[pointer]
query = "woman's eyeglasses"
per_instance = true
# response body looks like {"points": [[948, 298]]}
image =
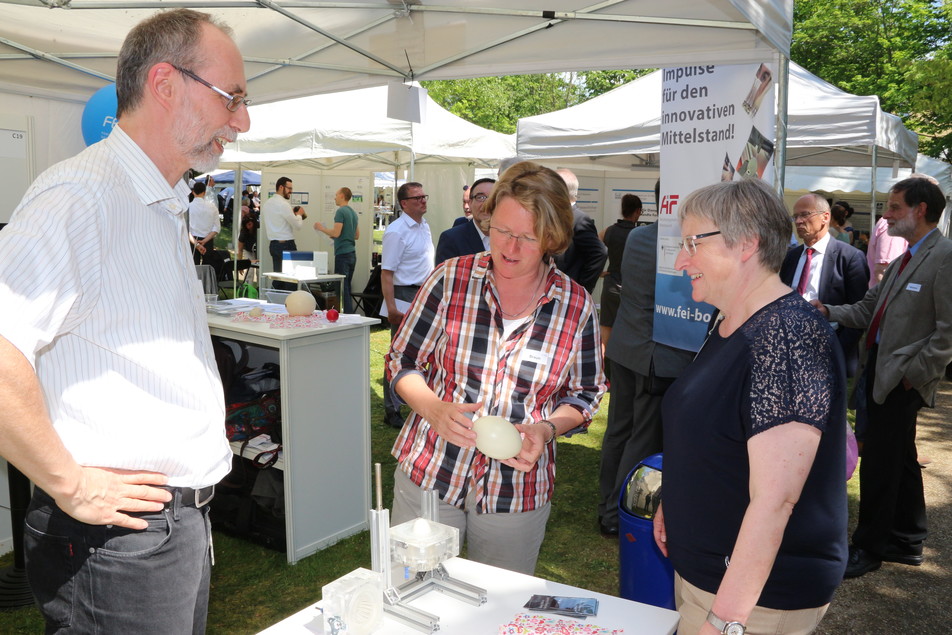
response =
{"points": [[689, 243]]}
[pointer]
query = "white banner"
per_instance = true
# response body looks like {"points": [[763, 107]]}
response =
{"points": [[717, 124]]}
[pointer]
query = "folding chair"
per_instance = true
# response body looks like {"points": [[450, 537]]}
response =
{"points": [[226, 269], [370, 299], [206, 273]]}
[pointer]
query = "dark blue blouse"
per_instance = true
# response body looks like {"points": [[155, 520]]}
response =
{"points": [[782, 365]]}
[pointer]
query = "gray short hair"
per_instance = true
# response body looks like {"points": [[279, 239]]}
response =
{"points": [[168, 36], [820, 204], [744, 209]]}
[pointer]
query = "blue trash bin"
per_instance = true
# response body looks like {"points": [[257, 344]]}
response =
{"points": [[645, 575]]}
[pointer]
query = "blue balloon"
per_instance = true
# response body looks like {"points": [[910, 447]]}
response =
{"points": [[99, 115]]}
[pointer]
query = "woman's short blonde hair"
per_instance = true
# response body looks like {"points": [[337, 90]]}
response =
{"points": [[543, 193], [744, 209]]}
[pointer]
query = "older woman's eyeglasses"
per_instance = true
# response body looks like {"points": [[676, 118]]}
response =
{"points": [[528, 241], [233, 101], [689, 243]]}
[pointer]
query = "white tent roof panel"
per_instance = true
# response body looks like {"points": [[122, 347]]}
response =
{"points": [[300, 47], [322, 128]]}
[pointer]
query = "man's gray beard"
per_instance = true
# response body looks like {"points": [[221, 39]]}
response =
{"points": [[902, 229], [206, 163]]}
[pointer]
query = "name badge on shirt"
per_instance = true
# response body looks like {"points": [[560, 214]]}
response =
{"points": [[913, 286], [536, 357]]}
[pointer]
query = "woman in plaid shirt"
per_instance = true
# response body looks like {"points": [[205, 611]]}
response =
{"points": [[500, 333]]}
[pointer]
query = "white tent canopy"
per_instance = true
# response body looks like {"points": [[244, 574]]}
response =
{"points": [[68, 48], [859, 179], [351, 129], [622, 128]]}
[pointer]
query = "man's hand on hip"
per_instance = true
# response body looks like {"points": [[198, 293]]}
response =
{"points": [[103, 494]]}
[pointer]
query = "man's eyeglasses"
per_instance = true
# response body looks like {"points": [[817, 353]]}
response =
{"points": [[689, 243], [528, 241], [480, 198], [234, 101], [797, 217], [422, 197]]}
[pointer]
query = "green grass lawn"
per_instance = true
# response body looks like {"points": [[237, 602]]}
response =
{"points": [[253, 587]]}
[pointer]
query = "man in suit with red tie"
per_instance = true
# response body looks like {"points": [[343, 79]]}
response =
{"points": [[908, 346], [826, 269]]}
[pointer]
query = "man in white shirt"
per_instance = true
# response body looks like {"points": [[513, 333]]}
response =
{"points": [[406, 261], [826, 269], [112, 403], [203, 223], [281, 221]]}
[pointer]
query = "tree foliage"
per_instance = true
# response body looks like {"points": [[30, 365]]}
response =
{"points": [[896, 49], [497, 103]]}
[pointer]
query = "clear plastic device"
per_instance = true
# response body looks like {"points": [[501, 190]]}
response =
{"points": [[353, 604], [420, 547]]}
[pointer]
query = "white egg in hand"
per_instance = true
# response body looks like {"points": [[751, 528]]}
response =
{"points": [[497, 438], [300, 303]]}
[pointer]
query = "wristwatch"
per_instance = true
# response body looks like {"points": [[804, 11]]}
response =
{"points": [[727, 628]]}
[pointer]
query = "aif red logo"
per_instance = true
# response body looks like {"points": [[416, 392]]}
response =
{"points": [[668, 203]]}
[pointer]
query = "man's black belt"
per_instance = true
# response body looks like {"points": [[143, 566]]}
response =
{"points": [[191, 497]]}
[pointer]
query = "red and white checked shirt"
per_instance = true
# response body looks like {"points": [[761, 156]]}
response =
{"points": [[453, 336]]}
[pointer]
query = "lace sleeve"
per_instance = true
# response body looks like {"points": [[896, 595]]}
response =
{"points": [[791, 376]]}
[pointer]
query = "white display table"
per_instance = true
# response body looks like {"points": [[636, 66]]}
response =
{"points": [[508, 592], [325, 424]]}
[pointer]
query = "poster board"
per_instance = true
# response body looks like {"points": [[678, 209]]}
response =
{"points": [[16, 161]]}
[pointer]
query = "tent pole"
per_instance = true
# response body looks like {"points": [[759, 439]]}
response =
{"points": [[236, 226], [872, 191], [780, 157]]}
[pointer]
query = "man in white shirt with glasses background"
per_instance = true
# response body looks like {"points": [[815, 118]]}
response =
{"points": [[406, 261]]}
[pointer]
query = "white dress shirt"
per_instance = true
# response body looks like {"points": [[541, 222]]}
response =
{"points": [[99, 293], [203, 217], [484, 236], [408, 251], [279, 218], [816, 267]]}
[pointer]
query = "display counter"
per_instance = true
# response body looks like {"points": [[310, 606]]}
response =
{"points": [[508, 592], [325, 424]]}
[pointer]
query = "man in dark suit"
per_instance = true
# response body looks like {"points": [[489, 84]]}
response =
{"points": [[585, 258], [826, 269], [641, 371], [908, 346], [468, 237]]}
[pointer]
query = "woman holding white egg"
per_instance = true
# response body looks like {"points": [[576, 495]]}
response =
{"points": [[501, 333]]}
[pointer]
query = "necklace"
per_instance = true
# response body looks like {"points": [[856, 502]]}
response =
{"points": [[533, 296]]}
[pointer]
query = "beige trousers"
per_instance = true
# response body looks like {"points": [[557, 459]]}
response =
{"points": [[693, 604]]}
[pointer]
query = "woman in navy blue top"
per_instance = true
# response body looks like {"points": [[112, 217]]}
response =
{"points": [[754, 501]]}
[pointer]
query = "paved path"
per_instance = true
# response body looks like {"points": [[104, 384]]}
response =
{"points": [[898, 598]]}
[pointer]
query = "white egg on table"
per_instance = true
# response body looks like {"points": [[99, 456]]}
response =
{"points": [[496, 437], [300, 303]]}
